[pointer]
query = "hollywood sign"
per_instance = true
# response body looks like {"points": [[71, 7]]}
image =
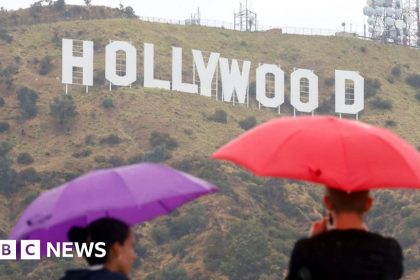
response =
{"points": [[234, 81]]}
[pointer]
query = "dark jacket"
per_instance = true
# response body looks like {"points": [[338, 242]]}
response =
{"points": [[346, 255], [86, 274]]}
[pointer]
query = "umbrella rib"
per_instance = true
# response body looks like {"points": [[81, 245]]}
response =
{"points": [[344, 151], [164, 206]]}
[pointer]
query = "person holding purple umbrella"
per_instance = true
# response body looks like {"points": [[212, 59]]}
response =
{"points": [[119, 246]]}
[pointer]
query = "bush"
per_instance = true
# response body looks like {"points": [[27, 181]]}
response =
{"points": [[158, 154], [417, 96], [162, 139], [329, 82], [170, 272], [25, 158], [219, 116], [29, 175], [4, 126], [45, 65], [396, 71], [2, 102], [413, 80], [111, 139], [390, 123], [160, 234], [27, 99], [90, 140], [381, 104], [194, 221], [82, 154], [63, 109], [59, 5], [108, 103], [371, 87], [413, 222], [248, 123], [180, 246], [214, 251], [363, 49], [116, 161], [100, 159], [246, 252], [407, 238], [4, 35], [135, 159]]}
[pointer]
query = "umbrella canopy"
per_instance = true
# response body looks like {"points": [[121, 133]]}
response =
{"points": [[345, 154], [132, 194]]}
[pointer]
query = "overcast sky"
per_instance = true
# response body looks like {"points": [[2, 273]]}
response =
{"points": [[326, 14]]}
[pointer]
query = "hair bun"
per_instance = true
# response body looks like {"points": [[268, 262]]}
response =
{"points": [[78, 234]]}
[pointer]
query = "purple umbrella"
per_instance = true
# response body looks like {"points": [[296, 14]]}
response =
{"points": [[133, 194]]}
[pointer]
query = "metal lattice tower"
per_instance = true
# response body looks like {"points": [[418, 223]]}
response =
{"points": [[245, 19], [394, 21]]}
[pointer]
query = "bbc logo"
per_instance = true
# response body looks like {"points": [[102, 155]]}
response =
{"points": [[29, 250]]}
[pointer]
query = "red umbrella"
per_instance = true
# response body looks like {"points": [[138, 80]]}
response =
{"points": [[345, 154]]}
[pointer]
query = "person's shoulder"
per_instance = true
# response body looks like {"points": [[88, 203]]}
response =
{"points": [[86, 274], [105, 274]]}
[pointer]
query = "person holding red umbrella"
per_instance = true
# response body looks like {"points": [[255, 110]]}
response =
{"points": [[340, 247], [351, 158]]}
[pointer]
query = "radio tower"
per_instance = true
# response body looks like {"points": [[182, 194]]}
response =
{"points": [[394, 21], [245, 19]]}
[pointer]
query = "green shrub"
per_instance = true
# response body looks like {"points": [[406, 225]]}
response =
{"points": [[396, 71], [169, 272], [179, 247], [371, 87], [5, 36], [25, 158], [27, 99], [90, 140], [248, 123], [82, 154], [162, 139], [59, 5], [4, 126], [407, 238], [45, 65], [363, 49], [29, 175], [194, 221], [390, 123], [161, 235], [63, 109], [111, 139], [116, 161], [329, 82], [214, 251], [158, 154], [100, 159], [135, 159], [108, 103], [246, 253], [413, 222], [413, 80], [417, 96], [381, 104], [219, 116]]}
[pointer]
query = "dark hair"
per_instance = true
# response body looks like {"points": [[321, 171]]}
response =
{"points": [[348, 202], [107, 230]]}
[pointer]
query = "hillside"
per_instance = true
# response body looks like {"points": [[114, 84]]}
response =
{"points": [[201, 240]]}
